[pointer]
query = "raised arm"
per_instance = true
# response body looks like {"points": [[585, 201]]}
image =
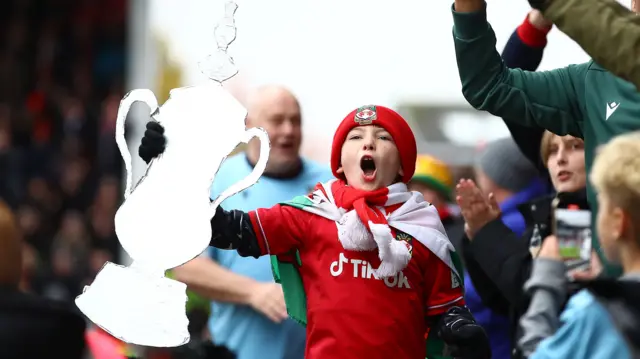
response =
{"points": [[275, 230], [524, 51], [606, 30], [549, 100], [234, 230], [525, 47]]}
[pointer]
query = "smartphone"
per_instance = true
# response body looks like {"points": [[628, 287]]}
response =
{"points": [[572, 227]]}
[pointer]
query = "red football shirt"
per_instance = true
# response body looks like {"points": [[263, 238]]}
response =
{"points": [[352, 314]]}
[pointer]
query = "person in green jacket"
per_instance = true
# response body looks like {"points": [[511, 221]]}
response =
{"points": [[583, 100], [606, 30]]}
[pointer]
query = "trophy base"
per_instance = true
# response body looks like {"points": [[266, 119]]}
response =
{"points": [[136, 307]]}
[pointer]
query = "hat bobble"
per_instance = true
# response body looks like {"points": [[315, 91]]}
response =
{"points": [[386, 118]]}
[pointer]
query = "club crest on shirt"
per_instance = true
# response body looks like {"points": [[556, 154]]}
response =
{"points": [[407, 239], [455, 282], [365, 115]]}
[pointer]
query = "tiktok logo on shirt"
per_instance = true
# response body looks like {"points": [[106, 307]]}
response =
{"points": [[362, 269]]}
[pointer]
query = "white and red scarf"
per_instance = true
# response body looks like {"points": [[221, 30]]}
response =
{"points": [[364, 224]]}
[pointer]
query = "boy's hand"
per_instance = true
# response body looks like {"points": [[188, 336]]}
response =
{"points": [[476, 209], [594, 269], [538, 21], [551, 250], [153, 142], [462, 335], [268, 299]]}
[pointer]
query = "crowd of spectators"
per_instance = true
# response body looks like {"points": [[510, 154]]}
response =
{"points": [[61, 81]]}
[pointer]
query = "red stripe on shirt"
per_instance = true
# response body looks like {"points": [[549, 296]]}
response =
{"points": [[257, 229]]}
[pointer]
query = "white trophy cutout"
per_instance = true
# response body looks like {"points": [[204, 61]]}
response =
{"points": [[165, 219]]}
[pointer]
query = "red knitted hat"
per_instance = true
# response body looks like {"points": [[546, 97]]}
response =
{"points": [[386, 118]]}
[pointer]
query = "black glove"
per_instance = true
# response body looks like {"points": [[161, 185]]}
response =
{"points": [[464, 338], [233, 230], [153, 142]]}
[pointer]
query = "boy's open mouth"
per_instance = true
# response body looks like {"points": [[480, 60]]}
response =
{"points": [[368, 166]]}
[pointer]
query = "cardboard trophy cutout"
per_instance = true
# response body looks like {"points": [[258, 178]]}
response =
{"points": [[165, 219]]}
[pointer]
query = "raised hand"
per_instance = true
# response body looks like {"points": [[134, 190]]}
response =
{"points": [[538, 21], [153, 142], [476, 209]]}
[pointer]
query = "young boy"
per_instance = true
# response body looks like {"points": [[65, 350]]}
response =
{"points": [[364, 263]]}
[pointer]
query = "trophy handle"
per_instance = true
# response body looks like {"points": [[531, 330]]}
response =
{"points": [[252, 178], [129, 99]]}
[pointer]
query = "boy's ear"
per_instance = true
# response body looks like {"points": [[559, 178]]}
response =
{"points": [[401, 172], [624, 222], [340, 170]]}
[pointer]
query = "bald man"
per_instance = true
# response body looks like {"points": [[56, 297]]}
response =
{"points": [[248, 310], [31, 327]]}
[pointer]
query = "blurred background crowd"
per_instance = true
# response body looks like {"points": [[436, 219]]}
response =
{"points": [[61, 81]]}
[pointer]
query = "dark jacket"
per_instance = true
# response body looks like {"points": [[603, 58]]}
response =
{"points": [[499, 261], [497, 323], [34, 327]]}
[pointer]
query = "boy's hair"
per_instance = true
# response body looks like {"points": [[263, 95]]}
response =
{"points": [[545, 146], [616, 173]]}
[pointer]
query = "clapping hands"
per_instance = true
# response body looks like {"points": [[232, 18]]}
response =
{"points": [[476, 208]]}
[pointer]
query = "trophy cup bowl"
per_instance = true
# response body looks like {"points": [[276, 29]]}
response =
{"points": [[165, 219]]}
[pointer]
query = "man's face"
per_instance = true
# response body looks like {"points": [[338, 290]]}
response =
{"points": [[566, 164], [280, 116], [634, 6], [370, 159]]}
